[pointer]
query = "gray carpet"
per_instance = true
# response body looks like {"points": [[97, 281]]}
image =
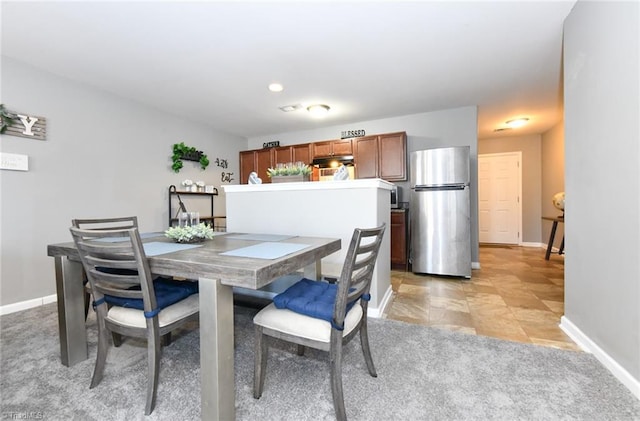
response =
{"points": [[423, 374]]}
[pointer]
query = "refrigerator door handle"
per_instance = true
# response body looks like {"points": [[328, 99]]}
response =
{"points": [[442, 187]]}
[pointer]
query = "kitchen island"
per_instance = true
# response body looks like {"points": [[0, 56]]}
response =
{"points": [[324, 209]]}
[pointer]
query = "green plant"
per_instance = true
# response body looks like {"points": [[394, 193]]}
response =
{"points": [[289, 169], [183, 152], [7, 118], [190, 234]]}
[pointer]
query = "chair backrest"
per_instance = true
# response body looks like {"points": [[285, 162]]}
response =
{"points": [[113, 267], [357, 272], [106, 223]]}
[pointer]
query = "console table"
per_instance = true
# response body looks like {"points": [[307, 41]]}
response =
{"points": [[552, 236]]}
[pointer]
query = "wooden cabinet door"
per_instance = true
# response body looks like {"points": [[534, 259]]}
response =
{"points": [[398, 239], [342, 147], [321, 149], [302, 153], [365, 155], [247, 165], [392, 156], [264, 160], [282, 155]]}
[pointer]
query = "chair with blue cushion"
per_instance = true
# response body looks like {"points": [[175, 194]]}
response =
{"points": [[322, 315], [126, 299]]}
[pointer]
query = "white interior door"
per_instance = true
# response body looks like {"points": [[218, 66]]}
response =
{"points": [[499, 192]]}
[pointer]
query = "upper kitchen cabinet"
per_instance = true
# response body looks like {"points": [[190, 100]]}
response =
{"points": [[382, 156], [257, 160], [332, 148], [282, 155], [301, 153]]}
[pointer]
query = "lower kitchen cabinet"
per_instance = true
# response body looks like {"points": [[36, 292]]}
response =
{"points": [[399, 239]]}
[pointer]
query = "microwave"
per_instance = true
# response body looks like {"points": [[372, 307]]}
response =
{"points": [[395, 197]]}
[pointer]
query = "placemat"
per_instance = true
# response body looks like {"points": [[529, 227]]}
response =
{"points": [[269, 250]]}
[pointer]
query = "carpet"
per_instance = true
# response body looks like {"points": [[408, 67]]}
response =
{"points": [[423, 374]]}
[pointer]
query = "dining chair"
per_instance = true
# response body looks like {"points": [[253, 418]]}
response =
{"points": [[323, 315], [126, 299], [101, 224]]}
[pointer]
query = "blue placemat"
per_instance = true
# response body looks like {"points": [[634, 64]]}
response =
{"points": [[260, 237], [155, 248], [120, 239], [269, 250]]}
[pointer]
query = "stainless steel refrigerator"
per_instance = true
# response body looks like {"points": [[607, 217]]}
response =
{"points": [[440, 212]]}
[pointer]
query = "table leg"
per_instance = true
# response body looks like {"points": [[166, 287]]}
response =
{"points": [[561, 246], [71, 322], [216, 351], [314, 270], [551, 238]]}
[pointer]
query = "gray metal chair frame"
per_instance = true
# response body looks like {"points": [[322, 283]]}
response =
{"points": [[354, 282], [130, 255]]}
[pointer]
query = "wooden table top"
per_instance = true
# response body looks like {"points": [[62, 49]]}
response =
{"points": [[206, 261]]}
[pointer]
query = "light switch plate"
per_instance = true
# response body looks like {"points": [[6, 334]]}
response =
{"points": [[12, 161]]}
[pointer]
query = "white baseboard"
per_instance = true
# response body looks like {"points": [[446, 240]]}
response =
{"points": [[25, 305], [475, 265], [377, 313], [605, 359], [538, 245]]}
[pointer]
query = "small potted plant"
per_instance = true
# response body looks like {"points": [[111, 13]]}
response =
{"points": [[190, 233], [188, 185], [289, 172]]}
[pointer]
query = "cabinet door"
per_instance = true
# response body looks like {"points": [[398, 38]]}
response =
{"points": [[398, 239], [321, 149], [342, 147], [264, 161], [247, 165], [282, 155], [392, 156], [365, 155], [302, 153]]}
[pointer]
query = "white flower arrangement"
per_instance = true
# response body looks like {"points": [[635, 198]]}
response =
{"points": [[200, 183], [187, 183], [289, 168], [190, 234]]}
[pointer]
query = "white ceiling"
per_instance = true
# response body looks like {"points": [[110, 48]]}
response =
{"points": [[213, 61]]}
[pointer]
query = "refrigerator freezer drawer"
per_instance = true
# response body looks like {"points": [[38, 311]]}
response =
{"points": [[441, 232]]}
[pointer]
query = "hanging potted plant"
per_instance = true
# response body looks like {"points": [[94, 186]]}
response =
{"points": [[182, 152], [8, 118]]}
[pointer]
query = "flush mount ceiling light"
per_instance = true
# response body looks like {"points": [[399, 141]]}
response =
{"points": [[276, 87], [518, 122], [318, 110]]}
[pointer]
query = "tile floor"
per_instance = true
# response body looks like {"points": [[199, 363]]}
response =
{"points": [[516, 295]]}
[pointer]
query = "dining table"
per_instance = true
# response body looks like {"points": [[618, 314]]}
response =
{"points": [[228, 260]]}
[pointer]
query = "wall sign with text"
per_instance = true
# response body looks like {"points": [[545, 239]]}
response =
{"points": [[25, 125], [352, 133]]}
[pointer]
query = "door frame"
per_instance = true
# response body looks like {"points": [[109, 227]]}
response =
{"points": [[518, 155]]}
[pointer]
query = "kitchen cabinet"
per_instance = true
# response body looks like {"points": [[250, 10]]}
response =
{"points": [[381, 156], [282, 155], [257, 160], [301, 153], [332, 148], [399, 239]]}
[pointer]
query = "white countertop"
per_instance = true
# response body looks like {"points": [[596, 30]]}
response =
{"points": [[367, 183]]}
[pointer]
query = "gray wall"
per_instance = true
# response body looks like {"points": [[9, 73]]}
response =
{"points": [[104, 156], [530, 146], [602, 134], [454, 127], [552, 178]]}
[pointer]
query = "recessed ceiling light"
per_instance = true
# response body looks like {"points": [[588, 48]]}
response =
{"points": [[518, 122], [276, 87], [288, 108], [318, 110]]}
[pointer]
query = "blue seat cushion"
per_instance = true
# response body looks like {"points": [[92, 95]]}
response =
{"points": [[168, 292], [311, 298]]}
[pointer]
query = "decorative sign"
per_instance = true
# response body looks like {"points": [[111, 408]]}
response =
{"points": [[273, 144], [24, 125], [221, 162], [227, 177], [351, 133]]}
